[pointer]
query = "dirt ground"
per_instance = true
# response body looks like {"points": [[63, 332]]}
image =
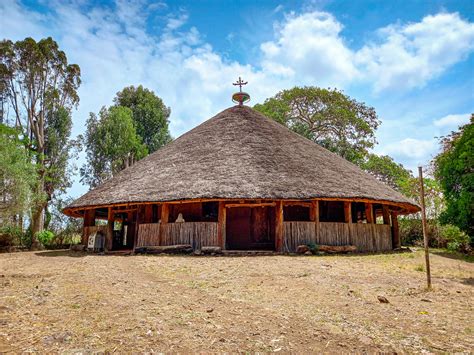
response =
{"points": [[61, 301]]}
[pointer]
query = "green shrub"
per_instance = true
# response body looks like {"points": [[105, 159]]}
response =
{"points": [[45, 237], [11, 235], [455, 239], [312, 247]]}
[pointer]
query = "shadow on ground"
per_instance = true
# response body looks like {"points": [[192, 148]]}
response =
{"points": [[456, 256]]}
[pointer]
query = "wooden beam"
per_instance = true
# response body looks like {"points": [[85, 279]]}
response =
{"points": [[395, 231], [165, 213], [221, 225], [110, 229], [369, 214], [279, 226], [269, 204], [347, 212], [298, 203], [406, 207], [385, 214]]}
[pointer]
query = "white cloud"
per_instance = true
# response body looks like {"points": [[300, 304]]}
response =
{"points": [[408, 56], [452, 121], [309, 49], [114, 50], [411, 148]]}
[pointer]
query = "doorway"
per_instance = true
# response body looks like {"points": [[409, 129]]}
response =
{"points": [[250, 228]]}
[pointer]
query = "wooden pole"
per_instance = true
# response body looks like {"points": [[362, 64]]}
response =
{"points": [[395, 231], [369, 215], [347, 212], [425, 233], [279, 226], [110, 229], [165, 213], [385, 214], [221, 219]]}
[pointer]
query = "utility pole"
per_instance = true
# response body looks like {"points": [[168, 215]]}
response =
{"points": [[425, 233]]}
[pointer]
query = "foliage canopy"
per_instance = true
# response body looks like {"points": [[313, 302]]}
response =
{"points": [[112, 144], [149, 114], [328, 117], [454, 169]]}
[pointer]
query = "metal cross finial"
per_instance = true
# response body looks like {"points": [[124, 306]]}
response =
{"points": [[240, 83]]}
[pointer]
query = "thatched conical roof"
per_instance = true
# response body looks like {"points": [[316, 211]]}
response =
{"points": [[240, 154]]}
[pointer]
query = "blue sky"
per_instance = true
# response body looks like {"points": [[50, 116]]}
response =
{"points": [[411, 60]]}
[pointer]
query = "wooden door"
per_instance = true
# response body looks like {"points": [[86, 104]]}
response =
{"points": [[250, 228]]}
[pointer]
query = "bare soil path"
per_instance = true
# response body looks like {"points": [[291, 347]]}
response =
{"points": [[60, 301]]}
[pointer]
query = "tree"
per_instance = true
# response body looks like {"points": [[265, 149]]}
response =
{"points": [[454, 169], [59, 149], [17, 175], [112, 144], [385, 169], [328, 117], [149, 114], [38, 82]]}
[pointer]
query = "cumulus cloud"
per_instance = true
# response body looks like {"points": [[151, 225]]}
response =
{"points": [[114, 48], [308, 48], [452, 121], [408, 56]]}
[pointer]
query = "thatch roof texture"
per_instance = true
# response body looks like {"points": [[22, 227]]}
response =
{"points": [[240, 154]]}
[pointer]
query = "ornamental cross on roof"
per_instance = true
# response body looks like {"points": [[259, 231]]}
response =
{"points": [[240, 97]]}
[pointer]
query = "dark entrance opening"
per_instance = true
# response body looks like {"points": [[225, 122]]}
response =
{"points": [[250, 228]]}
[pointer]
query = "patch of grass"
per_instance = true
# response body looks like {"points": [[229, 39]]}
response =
{"points": [[420, 268]]}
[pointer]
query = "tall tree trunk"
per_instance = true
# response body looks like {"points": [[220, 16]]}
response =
{"points": [[37, 210]]}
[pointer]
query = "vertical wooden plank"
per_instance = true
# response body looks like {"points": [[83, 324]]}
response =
{"points": [[369, 213], [385, 214], [221, 219], [279, 226], [316, 220], [110, 229], [347, 212], [148, 214], [165, 213], [395, 232]]}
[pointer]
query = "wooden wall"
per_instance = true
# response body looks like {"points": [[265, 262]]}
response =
{"points": [[366, 237], [197, 234]]}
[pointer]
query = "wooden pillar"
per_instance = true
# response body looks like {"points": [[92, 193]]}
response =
{"points": [[148, 214], [369, 214], [347, 212], [89, 221], [279, 226], [385, 214], [314, 211], [110, 229], [395, 232], [221, 227], [165, 213]]}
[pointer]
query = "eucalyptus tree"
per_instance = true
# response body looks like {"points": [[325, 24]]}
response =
{"points": [[112, 144], [38, 84]]}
